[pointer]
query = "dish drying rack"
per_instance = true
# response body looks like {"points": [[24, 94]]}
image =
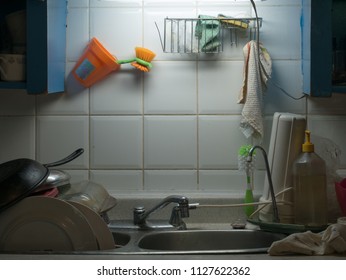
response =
{"points": [[205, 35]]}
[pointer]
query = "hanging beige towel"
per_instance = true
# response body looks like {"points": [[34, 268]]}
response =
{"points": [[257, 71]]}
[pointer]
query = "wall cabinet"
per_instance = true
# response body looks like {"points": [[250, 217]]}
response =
{"points": [[324, 47], [45, 44]]}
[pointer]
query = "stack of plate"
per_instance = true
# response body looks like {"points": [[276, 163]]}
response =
{"points": [[39, 223]]}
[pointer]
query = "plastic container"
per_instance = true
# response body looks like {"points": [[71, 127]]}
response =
{"points": [[95, 64], [286, 140], [310, 187]]}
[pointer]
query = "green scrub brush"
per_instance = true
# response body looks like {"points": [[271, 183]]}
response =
{"points": [[142, 60], [244, 165]]}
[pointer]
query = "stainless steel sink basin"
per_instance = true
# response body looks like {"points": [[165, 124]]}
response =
{"points": [[208, 241]]}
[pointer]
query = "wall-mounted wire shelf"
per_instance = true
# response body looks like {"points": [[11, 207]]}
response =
{"points": [[205, 34]]}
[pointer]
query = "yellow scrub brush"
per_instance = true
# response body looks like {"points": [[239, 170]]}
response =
{"points": [[142, 61], [244, 165]]}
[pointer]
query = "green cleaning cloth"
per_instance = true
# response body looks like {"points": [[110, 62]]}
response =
{"points": [[208, 33]]}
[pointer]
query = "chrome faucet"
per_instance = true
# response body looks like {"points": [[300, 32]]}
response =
{"points": [[180, 211], [276, 218]]}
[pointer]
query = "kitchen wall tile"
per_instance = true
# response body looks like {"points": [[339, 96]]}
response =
{"points": [[78, 3], [115, 3], [17, 136], [275, 100], [228, 1], [75, 100], [63, 104], [176, 127], [282, 36], [155, 13], [282, 2], [116, 142], [77, 33], [232, 182], [115, 181], [170, 180], [171, 89], [118, 29], [219, 141], [170, 142], [219, 84], [16, 103], [180, 3], [58, 136], [328, 135], [120, 93], [328, 106], [221, 180]]}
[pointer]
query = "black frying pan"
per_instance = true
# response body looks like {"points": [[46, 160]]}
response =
{"points": [[20, 177]]}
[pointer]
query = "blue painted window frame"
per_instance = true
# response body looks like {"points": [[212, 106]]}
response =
{"points": [[317, 57]]}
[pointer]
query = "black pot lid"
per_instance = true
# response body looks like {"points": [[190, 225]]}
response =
{"points": [[18, 178]]}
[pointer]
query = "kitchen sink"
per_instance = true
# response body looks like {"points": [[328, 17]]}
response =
{"points": [[194, 242], [231, 241]]}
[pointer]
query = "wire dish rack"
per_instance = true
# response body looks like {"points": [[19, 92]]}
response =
{"points": [[205, 34]]}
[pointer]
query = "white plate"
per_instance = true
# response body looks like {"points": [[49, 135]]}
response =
{"points": [[103, 235], [45, 224]]}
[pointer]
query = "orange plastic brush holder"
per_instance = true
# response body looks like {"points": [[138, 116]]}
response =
{"points": [[95, 64]]}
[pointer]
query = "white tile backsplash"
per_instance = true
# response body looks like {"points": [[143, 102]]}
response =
{"points": [[75, 100], [58, 136], [170, 180], [121, 93], [116, 142], [170, 142], [118, 29], [328, 134], [283, 39], [77, 33], [16, 103], [153, 26], [17, 136], [122, 181], [115, 3], [219, 84], [170, 88], [176, 128], [219, 140]]}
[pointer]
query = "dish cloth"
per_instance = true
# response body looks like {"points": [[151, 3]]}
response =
{"points": [[332, 240], [208, 33], [257, 71]]}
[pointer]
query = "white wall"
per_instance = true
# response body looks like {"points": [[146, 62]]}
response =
{"points": [[175, 129]]}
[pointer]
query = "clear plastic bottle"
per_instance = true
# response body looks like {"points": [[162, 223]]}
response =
{"points": [[310, 187]]}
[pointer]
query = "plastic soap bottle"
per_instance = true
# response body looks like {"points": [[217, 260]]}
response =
{"points": [[310, 187]]}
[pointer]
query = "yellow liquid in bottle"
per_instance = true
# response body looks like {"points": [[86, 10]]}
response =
{"points": [[310, 200]]}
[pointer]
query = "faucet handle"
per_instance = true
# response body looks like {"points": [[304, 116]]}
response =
{"points": [[176, 218], [137, 213], [184, 207]]}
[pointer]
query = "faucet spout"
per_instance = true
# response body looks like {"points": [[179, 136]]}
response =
{"points": [[140, 215], [276, 218]]}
